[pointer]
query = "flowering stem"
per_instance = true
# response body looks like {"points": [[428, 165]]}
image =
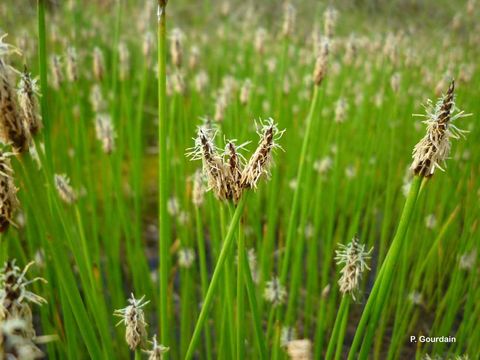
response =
{"points": [[163, 176], [336, 336], [240, 296], [379, 293], [227, 244], [138, 354]]}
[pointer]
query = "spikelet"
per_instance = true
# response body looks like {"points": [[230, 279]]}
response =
{"points": [[213, 167], [56, 71], [27, 96], [72, 65], [354, 258], [245, 91], [134, 320], [96, 98], [261, 161], [432, 151], [275, 292], [201, 81], [13, 343], [259, 41], [14, 296], [157, 351], [321, 63], [64, 189], [124, 60], [12, 129], [234, 172], [105, 132], [98, 64], [186, 257], [198, 190], [8, 193], [340, 110], [289, 15], [300, 349], [147, 47], [176, 50], [330, 20], [194, 58]]}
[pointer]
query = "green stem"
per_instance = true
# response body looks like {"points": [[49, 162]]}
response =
{"points": [[240, 296], [379, 291], [164, 238], [227, 244], [334, 338]]}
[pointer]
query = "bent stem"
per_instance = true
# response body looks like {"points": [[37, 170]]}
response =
{"points": [[378, 296], [227, 245]]}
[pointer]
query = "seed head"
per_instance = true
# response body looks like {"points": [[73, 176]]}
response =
{"points": [[194, 57], [432, 151], [330, 20], [14, 296], [105, 132], [234, 171], [157, 351], [198, 189], [321, 63], [64, 189], [259, 42], [245, 92], [340, 110], [98, 64], [186, 257], [96, 99], [354, 257], [72, 66], [275, 292], [213, 167], [289, 15], [27, 96], [176, 50], [261, 161], [8, 192], [14, 343], [134, 320], [124, 60], [12, 129], [56, 71]]}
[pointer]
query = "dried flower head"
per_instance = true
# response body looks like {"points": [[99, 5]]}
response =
{"points": [[12, 129], [234, 170], [275, 292], [354, 257], [432, 151], [8, 192], [64, 189], [245, 92], [300, 349], [134, 320], [157, 351], [105, 132], [27, 96], [261, 161]]}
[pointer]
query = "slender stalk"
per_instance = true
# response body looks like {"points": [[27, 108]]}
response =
{"points": [[336, 332], [227, 244], [164, 238], [240, 296], [379, 291]]}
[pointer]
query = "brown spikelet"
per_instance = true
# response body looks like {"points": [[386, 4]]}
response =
{"points": [[234, 173], [12, 130], [8, 193], [321, 64], [259, 163], [434, 148], [27, 96]]}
